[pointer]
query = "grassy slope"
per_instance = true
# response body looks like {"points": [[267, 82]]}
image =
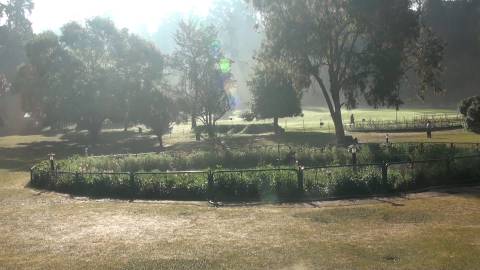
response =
{"points": [[50, 231]]}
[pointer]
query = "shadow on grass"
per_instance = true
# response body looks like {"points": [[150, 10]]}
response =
{"points": [[24, 155], [307, 138]]}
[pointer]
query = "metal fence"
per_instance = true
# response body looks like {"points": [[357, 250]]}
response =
{"points": [[439, 122], [282, 149], [266, 184]]}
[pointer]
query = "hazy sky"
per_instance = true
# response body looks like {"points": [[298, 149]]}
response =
{"points": [[137, 15]]}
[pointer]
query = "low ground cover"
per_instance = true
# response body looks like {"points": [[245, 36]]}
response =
{"points": [[260, 156], [325, 172]]}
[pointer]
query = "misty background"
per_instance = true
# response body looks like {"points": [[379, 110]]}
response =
{"points": [[456, 22]]}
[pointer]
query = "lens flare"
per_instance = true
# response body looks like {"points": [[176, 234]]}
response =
{"points": [[225, 65]]}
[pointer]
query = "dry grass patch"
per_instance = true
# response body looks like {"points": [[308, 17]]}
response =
{"points": [[51, 231]]}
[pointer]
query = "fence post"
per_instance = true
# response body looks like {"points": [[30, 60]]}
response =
{"points": [[278, 151], [300, 177], [210, 185], [384, 172], [132, 183], [76, 182], [448, 165], [51, 158]]}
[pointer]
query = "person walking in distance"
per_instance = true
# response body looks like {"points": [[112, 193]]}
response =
{"points": [[429, 129]]}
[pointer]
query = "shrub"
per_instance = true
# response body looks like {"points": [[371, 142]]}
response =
{"points": [[95, 176], [256, 185], [470, 108], [179, 186]]}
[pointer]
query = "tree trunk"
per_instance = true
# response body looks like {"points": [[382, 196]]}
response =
{"points": [[334, 106], [94, 130], [160, 141], [194, 128], [194, 121], [339, 130], [275, 125], [125, 121], [337, 116], [210, 126]]}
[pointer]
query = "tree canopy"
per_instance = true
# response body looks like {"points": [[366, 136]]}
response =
{"points": [[470, 108], [350, 48], [15, 32], [273, 93], [89, 74], [205, 72]]}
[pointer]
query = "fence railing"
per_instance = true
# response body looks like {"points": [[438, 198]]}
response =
{"points": [[282, 148], [289, 183], [438, 123]]}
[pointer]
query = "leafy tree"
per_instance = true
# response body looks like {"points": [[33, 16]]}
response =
{"points": [[77, 74], [4, 85], [96, 81], [148, 100], [273, 94], [470, 108], [15, 32], [457, 23], [205, 73], [43, 82], [157, 111], [95, 72], [141, 67], [236, 23], [193, 44], [350, 48], [214, 101]]}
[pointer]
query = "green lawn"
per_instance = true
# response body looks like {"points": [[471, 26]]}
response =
{"points": [[42, 230], [313, 116]]}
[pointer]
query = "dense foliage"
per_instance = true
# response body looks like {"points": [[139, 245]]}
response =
{"points": [[351, 48], [15, 32], [275, 177], [273, 93], [273, 155], [265, 183], [92, 73], [470, 108], [205, 73], [457, 23]]}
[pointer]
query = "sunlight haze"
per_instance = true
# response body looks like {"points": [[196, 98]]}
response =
{"points": [[138, 16]]}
